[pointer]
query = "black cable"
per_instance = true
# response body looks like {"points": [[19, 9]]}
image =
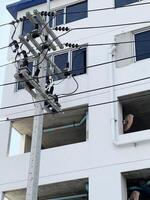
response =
{"points": [[90, 66], [53, 17], [91, 10], [109, 26], [76, 87], [9, 23], [15, 28], [72, 109], [77, 84], [4, 47], [98, 44], [37, 65], [87, 91]]}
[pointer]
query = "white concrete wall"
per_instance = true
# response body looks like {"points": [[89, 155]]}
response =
{"points": [[105, 155]]}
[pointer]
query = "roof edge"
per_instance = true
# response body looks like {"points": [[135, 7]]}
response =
{"points": [[21, 5]]}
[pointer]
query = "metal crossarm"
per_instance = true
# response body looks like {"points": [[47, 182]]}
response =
{"points": [[23, 82], [48, 98], [48, 29], [26, 43]]}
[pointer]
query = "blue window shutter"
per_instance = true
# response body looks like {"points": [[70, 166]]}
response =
{"points": [[51, 20], [61, 60], [60, 17], [142, 47], [120, 3], [27, 27], [79, 62], [80, 8]]}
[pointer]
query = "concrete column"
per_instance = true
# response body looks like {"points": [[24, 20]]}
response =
{"points": [[5, 128], [105, 183], [1, 195]]}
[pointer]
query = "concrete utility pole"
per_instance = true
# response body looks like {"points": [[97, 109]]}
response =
{"points": [[37, 90], [34, 165]]}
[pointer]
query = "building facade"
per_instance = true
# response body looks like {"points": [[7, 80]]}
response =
{"points": [[99, 146]]}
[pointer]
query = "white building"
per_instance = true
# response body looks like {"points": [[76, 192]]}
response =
{"points": [[96, 159]]}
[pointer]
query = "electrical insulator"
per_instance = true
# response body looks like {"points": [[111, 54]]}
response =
{"points": [[61, 28], [37, 72], [24, 53], [72, 45], [25, 63], [14, 45], [45, 13], [42, 13], [21, 19]]}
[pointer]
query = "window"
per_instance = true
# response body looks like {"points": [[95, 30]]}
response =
{"points": [[30, 68], [120, 3], [27, 27], [76, 60], [80, 12], [133, 51], [79, 62], [142, 47], [61, 60], [15, 143], [138, 184], [60, 17], [135, 112], [69, 14]]}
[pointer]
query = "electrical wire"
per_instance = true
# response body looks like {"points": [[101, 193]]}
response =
{"points": [[4, 47], [74, 108], [91, 10], [109, 25], [87, 91], [15, 28], [58, 82], [75, 70], [94, 45], [103, 63], [9, 23], [77, 84], [53, 17], [98, 44], [137, 80]]}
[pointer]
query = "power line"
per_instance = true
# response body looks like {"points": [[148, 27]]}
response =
{"points": [[96, 44], [72, 109], [90, 10], [9, 23], [87, 91], [99, 44], [110, 25], [90, 66], [4, 47]]}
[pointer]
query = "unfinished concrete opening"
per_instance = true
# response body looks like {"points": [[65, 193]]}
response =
{"points": [[135, 112], [68, 190], [138, 184], [60, 129], [16, 143]]}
